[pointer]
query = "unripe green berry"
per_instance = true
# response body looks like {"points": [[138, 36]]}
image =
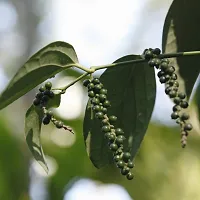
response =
{"points": [[160, 73], [184, 104], [164, 66], [86, 82], [42, 89], [105, 128], [176, 108], [130, 164], [119, 131], [106, 104], [170, 70], [46, 120], [90, 86], [96, 81], [151, 63], [156, 51], [167, 90], [116, 158], [181, 95], [185, 116], [126, 156], [167, 77], [188, 127], [104, 110], [48, 85], [176, 84], [36, 102], [103, 91], [174, 115], [96, 108], [120, 139], [165, 60], [177, 100], [171, 82], [162, 79], [113, 147], [107, 135], [102, 97], [172, 94], [91, 94], [97, 88], [125, 170], [112, 118], [99, 115], [129, 176], [95, 101], [120, 164], [174, 76], [111, 137], [148, 54]]}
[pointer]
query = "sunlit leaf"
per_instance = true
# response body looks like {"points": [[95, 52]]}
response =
{"points": [[33, 123], [181, 33], [132, 91], [47, 62]]}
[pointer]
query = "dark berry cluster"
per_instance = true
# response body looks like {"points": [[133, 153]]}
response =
{"points": [[114, 136], [168, 77], [41, 100]]}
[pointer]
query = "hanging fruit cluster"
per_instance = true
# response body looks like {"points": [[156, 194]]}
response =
{"points": [[168, 76], [114, 135]]}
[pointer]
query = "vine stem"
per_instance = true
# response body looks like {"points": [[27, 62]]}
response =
{"points": [[92, 69]]}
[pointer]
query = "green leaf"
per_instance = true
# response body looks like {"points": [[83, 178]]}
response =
{"points": [[33, 123], [131, 91], [181, 33], [47, 62]]}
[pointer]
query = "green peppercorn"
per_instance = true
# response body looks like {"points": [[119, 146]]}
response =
{"points": [[95, 101], [119, 131], [130, 176], [160, 73], [111, 137], [126, 156], [167, 90], [177, 100], [120, 139], [96, 81], [112, 118], [102, 97], [148, 54], [164, 66], [103, 91], [42, 89], [113, 147], [167, 77], [162, 79], [151, 62], [91, 94], [174, 76], [36, 102], [156, 51], [116, 158], [105, 128], [106, 104], [96, 108], [188, 127], [107, 135], [90, 86], [130, 164], [165, 60], [99, 115], [176, 108], [120, 164], [59, 124], [125, 170], [172, 94], [97, 88], [181, 95], [175, 115], [176, 84], [86, 82], [178, 121], [170, 70], [46, 120], [184, 104], [171, 82], [48, 85], [185, 116], [104, 110]]}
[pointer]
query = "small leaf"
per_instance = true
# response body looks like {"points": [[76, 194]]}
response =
{"points": [[47, 62], [33, 123], [131, 91], [181, 33]]}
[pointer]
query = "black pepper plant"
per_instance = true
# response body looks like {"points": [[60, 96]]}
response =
{"points": [[120, 101]]}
